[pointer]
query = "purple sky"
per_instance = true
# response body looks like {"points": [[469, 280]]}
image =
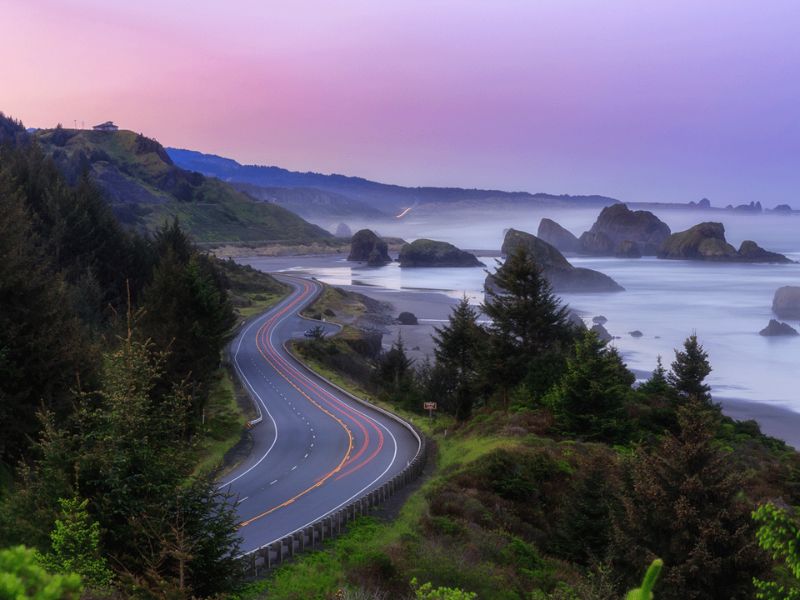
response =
{"points": [[649, 101]]}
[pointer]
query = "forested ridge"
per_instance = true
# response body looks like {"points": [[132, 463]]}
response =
{"points": [[110, 346]]}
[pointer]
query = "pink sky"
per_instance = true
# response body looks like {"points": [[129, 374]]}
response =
{"points": [[639, 100]]}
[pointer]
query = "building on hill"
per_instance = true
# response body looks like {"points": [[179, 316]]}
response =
{"points": [[107, 126]]}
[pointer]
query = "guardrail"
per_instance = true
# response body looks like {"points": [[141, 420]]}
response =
{"points": [[333, 524]]}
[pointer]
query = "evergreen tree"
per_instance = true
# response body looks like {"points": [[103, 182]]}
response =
{"points": [[43, 352], [586, 524], [690, 369], [590, 399], [458, 350], [530, 332], [76, 545], [187, 310], [684, 505], [394, 369], [658, 384]]}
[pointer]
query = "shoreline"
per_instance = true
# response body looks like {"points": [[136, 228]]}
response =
{"points": [[432, 308]]}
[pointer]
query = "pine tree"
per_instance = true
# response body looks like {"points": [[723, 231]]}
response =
{"points": [[690, 369], [658, 384], [590, 399], [43, 352], [458, 351], [186, 310], [394, 369], [530, 332], [76, 545], [684, 505]]}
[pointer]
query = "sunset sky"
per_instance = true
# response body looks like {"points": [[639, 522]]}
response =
{"points": [[643, 101]]}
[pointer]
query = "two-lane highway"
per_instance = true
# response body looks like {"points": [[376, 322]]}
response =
{"points": [[315, 448]]}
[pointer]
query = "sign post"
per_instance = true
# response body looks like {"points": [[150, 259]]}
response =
{"points": [[430, 407]]}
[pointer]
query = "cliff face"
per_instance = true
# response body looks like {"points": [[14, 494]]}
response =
{"points": [[366, 246], [557, 236], [430, 253], [706, 241], [563, 277], [620, 231]]}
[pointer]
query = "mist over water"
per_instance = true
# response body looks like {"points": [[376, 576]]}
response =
{"points": [[725, 304]]}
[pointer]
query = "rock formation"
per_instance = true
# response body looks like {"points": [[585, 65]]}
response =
{"points": [[366, 246], [786, 302], [706, 241], [430, 253], [628, 249], [602, 333], [563, 277], [558, 237], [407, 318], [343, 231], [776, 328], [620, 231], [749, 251]]}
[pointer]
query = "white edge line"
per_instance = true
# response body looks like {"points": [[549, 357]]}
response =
{"points": [[362, 402], [257, 395]]}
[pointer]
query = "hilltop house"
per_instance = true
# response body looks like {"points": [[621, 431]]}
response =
{"points": [[107, 126]]}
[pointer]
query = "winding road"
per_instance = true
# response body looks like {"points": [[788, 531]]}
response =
{"points": [[315, 448]]}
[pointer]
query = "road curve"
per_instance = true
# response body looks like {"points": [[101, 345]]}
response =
{"points": [[315, 449]]}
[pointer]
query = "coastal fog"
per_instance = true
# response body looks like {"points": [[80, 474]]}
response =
{"points": [[725, 304], [482, 228]]}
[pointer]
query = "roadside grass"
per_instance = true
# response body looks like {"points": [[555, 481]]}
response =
{"points": [[259, 302], [223, 424], [368, 541], [227, 411], [366, 548]]}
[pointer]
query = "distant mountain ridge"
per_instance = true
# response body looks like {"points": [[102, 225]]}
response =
{"points": [[386, 198]]}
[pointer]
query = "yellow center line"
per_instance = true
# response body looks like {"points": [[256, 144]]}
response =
{"points": [[327, 412]]}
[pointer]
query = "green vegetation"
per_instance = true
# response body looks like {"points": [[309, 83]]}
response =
{"points": [[779, 534], [23, 578], [557, 477], [115, 409], [75, 545], [564, 480], [146, 190], [645, 592]]}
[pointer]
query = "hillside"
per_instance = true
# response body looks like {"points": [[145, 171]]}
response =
{"points": [[146, 188], [386, 198]]}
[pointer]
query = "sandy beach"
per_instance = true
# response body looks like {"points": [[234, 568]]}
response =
{"points": [[433, 308]]}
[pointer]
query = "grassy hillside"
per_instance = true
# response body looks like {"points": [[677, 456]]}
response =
{"points": [[146, 188]]}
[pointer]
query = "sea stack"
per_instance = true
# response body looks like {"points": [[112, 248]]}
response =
{"points": [[430, 253], [620, 231], [366, 246]]}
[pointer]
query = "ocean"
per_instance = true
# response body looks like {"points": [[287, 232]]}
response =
{"points": [[724, 304]]}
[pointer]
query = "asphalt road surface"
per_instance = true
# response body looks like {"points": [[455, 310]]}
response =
{"points": [[315, 449]]}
